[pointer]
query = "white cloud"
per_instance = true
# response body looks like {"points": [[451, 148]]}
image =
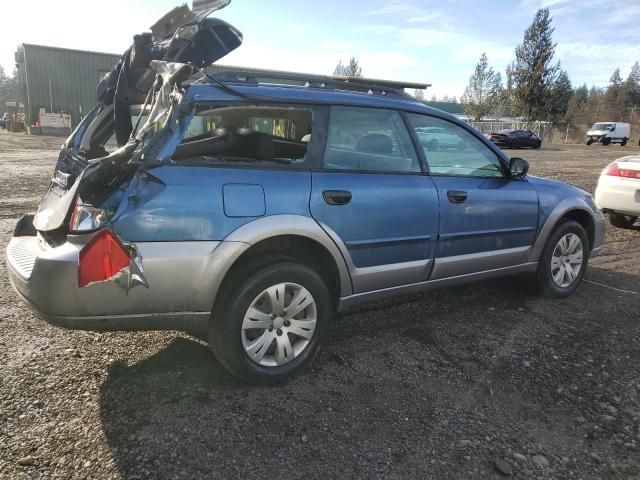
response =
{"points": [[338, 45], [393, 7]]}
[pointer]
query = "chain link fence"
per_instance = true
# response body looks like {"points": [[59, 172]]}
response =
{"points": [[565, 133]]}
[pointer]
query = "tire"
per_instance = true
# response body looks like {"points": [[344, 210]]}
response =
{"points": [[231, 340], [622, 221], [537, 145], [545, 282], [606, 141], [624, 142], [589, 142]]}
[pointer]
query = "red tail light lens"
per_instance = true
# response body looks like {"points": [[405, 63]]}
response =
{"points": [[101, 259], [614, 170]]}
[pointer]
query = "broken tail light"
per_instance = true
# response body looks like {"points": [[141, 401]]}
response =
{"points": [[102, 258], [86, 218], [614, 170]]}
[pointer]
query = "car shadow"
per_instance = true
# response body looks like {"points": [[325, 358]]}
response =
{"points": [[179, 414]]}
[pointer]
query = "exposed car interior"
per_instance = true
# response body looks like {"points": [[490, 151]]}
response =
{"points": [[247, 133]]}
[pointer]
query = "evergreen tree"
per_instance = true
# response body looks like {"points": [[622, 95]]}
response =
{"points": [[482, 95], [9, 91], [534, 74], [630, 89], [560, 96]]}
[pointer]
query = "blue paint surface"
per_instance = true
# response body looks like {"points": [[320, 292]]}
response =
{"points": [[191, 206], [390, 219], [242, 200], [498, 213]]}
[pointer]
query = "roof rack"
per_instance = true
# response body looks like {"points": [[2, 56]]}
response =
{"points": [[368, 85]]}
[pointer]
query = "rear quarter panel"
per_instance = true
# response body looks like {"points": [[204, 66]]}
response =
{"points": [[208, 203]]}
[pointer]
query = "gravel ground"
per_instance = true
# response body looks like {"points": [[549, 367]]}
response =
{"points": [[484, 381]]}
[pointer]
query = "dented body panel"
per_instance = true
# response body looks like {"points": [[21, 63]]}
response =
{"points": [[186, 219]]}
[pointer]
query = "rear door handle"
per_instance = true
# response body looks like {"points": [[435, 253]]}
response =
{"points": [[336, 197], [456, 196]]}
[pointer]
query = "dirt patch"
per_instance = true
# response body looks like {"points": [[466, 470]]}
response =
{"points": [[438, 385]]}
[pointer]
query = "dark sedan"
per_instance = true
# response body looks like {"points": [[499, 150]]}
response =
{"points": [[515, 139]]}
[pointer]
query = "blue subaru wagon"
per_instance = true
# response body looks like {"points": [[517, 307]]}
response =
{"points": [[250, 206]]}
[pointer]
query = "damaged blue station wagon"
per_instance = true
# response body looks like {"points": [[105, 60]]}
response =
{"points": [[249, 206]]}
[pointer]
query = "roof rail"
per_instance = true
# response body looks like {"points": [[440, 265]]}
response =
{"points": [[369, 85]]}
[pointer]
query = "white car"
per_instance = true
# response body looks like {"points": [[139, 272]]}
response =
{"points": [[618, 191]]}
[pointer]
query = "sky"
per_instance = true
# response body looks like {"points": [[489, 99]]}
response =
{"points": [[437, 42]]}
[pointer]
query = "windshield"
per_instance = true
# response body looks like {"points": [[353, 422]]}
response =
{"points": [[601, 126]]}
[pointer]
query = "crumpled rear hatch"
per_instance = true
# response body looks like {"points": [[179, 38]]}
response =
{"points": [[184, 35]]}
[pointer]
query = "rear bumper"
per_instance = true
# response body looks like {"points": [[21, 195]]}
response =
{"points": [[620, 195], [183, 279]]}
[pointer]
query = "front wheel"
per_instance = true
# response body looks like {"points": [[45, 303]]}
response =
{"points": [[606, 141], [622, 221], [564, 260], [272, 325], [537, 145]]}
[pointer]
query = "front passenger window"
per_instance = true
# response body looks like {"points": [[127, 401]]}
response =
{"points": [[453, 151]]}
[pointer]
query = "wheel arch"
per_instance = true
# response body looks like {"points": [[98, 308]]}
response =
{"points": [[291, 236], [566, 210]]}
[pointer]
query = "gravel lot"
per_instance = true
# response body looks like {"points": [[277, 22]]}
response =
{"points": [[460, 383]]}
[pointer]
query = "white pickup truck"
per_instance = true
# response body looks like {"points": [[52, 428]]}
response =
{"points": [[609, 132]]}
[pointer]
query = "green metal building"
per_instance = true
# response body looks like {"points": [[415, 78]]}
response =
{"points": [[59, 79]]}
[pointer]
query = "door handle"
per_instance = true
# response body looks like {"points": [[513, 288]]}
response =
{"points": [[336, 197], [456, 196]]}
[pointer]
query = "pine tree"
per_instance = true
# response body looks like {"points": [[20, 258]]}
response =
{"points": [[560, 96], [9, 91], [630, 89], [482, 95], [534, 74]]}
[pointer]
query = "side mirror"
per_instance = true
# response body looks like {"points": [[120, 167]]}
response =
{"points": [[518, 167], [612, 128]]}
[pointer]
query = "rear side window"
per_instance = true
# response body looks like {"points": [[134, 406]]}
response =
{"points": [[451, 150], [246, 133], [369, 140]]}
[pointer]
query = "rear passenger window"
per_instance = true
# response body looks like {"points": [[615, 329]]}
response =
{"points": [[453, 151], [246, 134], [369, 140]]}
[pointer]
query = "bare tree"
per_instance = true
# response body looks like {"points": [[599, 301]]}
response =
{"points": [[352, 70], [418, 94]]}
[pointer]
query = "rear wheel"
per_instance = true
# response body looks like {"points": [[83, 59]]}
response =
{"points": [[273, 324], [622, 221], [563, 261], [624, 142]]}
